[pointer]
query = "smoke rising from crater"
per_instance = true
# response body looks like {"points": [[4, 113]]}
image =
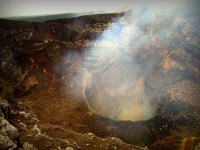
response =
{"points": [[134, 60], [119, 71], [123, 67]]}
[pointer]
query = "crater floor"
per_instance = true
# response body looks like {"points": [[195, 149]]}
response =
{"points": [[111, 81]]}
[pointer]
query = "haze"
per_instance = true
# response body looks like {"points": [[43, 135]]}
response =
{"points": [[19, 8]]}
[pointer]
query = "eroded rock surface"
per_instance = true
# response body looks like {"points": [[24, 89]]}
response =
{"points": [[8, 133], [63, 77]]}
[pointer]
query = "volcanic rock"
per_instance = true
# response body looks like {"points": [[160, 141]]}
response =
{"points": [[8, 133], [75, 83]]}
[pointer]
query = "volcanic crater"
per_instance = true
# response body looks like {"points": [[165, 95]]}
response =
{"points": [[107, 81]]}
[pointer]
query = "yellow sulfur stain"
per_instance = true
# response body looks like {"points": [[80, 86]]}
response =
{"points": [[189, 143]]}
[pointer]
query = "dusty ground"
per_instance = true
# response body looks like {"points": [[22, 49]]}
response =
{"points": [[44, 66], [54, 117]]}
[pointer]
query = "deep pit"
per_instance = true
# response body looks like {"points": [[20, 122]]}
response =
{"points": [[118, 92], [103, 81]]}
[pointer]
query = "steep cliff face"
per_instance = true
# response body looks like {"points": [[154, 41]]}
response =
{"points": [[46, 42], [110, 75]]}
